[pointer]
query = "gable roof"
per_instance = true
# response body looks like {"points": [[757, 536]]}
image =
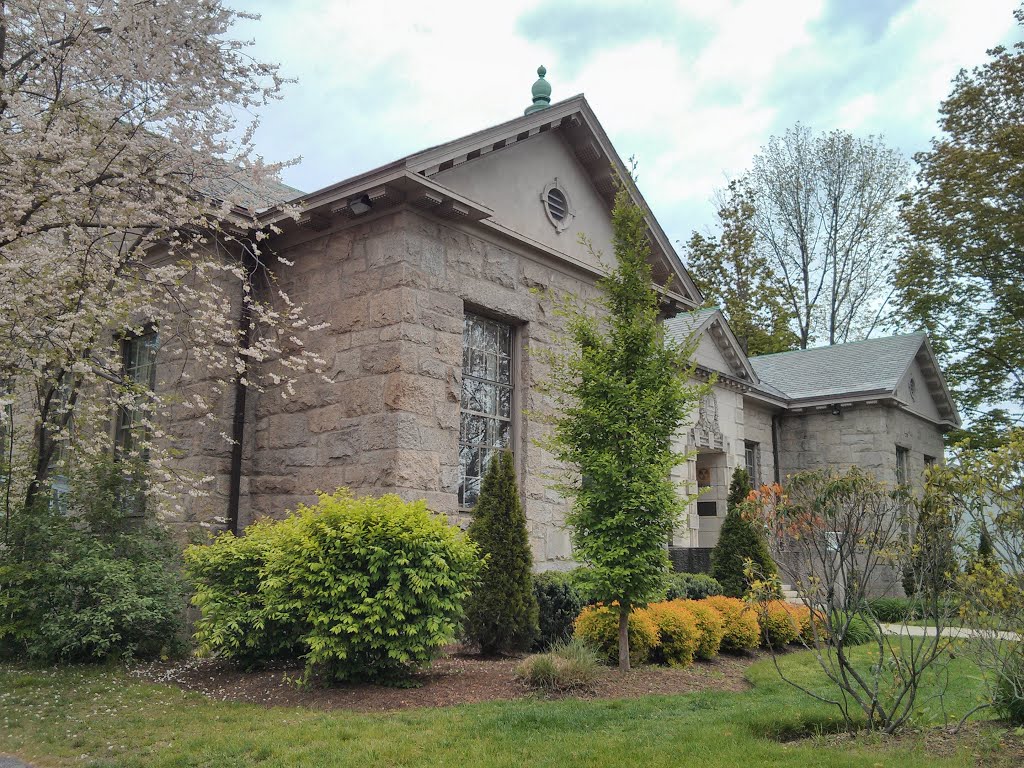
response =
{"points": [[409, 180], [712, 322], [859, 368]]}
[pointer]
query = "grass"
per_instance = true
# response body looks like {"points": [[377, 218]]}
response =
{"points": [[101, 717]]}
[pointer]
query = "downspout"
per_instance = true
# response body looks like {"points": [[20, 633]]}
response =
{"points": [[238, 422], [776, 419]]}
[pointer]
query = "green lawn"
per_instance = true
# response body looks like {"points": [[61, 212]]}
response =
{"points": [[59, 717]]}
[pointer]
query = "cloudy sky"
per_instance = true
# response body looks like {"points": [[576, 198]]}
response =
{"points": [[693, 88]]}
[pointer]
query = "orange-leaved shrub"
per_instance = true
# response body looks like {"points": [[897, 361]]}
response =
{"points": [[742, 632], [598, 626], [711, 626], [779, 626], [802, 615], [678, 633]]}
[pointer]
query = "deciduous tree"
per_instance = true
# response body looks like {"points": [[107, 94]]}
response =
{"points": [[128, 188], [734, 275], [622, 389], [962, 281], [826, 218], [840, 538]]}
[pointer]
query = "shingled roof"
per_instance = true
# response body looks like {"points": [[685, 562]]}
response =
{"points": [[872, 365], [858, 369]]}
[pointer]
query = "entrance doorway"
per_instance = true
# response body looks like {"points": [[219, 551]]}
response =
{"points": [[713, 485]]}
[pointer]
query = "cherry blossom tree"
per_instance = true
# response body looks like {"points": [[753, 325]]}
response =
{"points": [[129, 200]]}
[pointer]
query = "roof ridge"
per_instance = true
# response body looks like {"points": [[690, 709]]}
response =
{"points": [[876, 339]]}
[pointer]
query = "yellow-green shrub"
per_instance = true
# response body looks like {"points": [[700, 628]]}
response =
{"points": [[779, 626], [365, 588], [711, 626], [235, 620], [742, 632], [802, 618], [598, 626], [678, 633]]}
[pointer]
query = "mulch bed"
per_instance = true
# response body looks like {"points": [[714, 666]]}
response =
{"points": [[454, 678]]}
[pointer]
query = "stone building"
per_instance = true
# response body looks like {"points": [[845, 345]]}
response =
{"points": [[880, 404], [427, 270]]}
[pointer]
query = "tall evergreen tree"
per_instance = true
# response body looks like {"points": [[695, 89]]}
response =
{"points": [[733, 275], [501, 614], [738, 542], [622, 390]]}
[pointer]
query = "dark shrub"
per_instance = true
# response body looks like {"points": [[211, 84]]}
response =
{"points": [[92, 581], [858, 632], [738, 542], [501, 613], [690, 586], [559, 604], [892, 610], [1008, 696]]}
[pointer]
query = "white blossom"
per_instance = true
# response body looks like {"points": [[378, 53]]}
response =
{"points": [[129, 199]]}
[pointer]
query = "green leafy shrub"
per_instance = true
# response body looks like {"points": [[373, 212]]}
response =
{"points": [[570, 665], [738, 542], [501, 613], [1008, 695], [367, 588], [678, 633], [236, 621], [893, 609], [598, 626], [93, 582], [741, 630], [559, 603], [779, 626], [711, 626], [690, 586], [858, 632]]}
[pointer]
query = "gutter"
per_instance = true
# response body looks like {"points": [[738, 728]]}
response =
{"points": [[776, 419], [238, 423]]}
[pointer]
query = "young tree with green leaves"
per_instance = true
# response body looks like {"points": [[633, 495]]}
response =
{"points": [[622, 389], [739, 541], [962, 279], [733, 275], [501, 614]]}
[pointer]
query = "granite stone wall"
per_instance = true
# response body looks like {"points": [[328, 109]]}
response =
{"points": [[865, 436], [386, 416]]}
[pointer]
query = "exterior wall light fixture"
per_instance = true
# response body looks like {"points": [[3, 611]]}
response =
{"points": [[360, 205]]}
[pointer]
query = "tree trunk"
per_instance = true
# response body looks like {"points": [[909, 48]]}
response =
{"points": [[624, 638]]}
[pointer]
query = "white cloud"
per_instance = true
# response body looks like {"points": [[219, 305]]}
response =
{"points": [[695, 102]]}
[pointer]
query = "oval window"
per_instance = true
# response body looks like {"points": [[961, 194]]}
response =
{"points": [[558, 206]]}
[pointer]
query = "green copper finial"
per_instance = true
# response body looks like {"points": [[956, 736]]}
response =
{"points": [[541, 92]]}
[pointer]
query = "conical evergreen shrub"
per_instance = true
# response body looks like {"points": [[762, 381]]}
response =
{"points": [[501, 614], [738, 542]]}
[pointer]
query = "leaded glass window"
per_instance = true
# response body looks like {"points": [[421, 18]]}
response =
{"points": [[486, 426]]}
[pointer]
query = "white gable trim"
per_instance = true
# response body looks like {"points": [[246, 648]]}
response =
{"points": [[718, 330]]}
